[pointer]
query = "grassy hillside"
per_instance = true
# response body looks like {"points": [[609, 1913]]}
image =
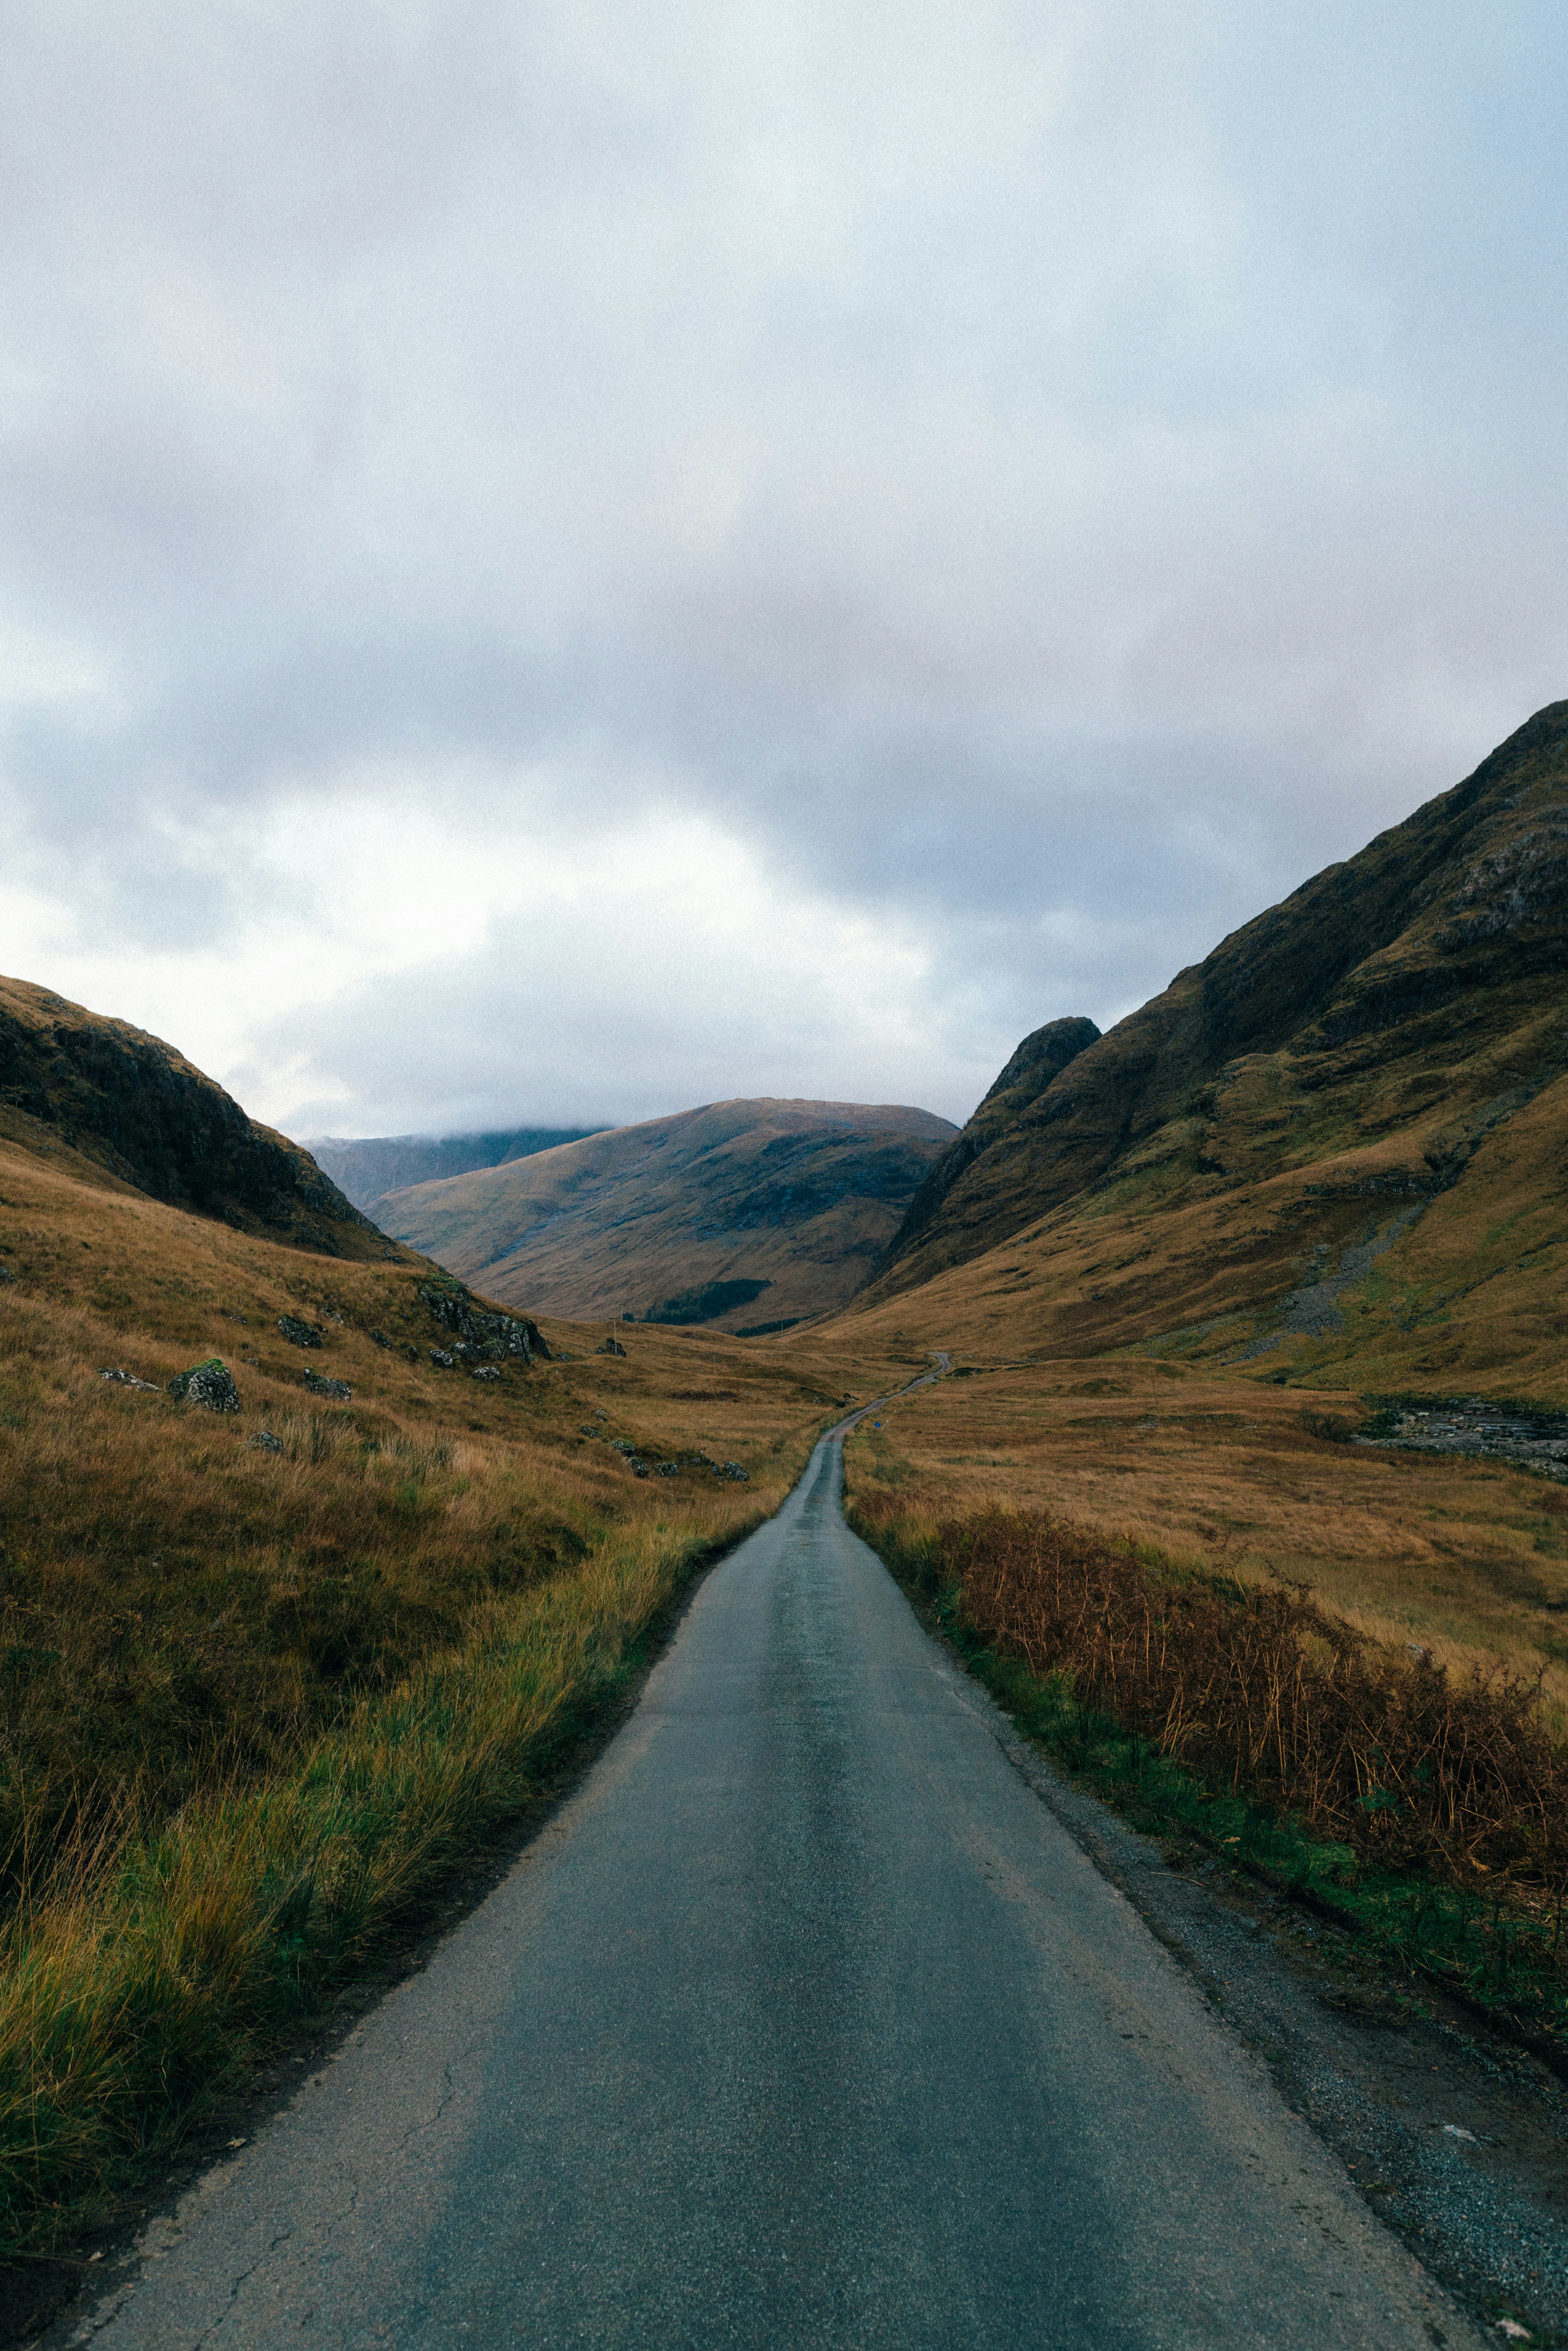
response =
{"points": [[138, 1109], [366, 1167], [268, 1673], [1333, 1152], [741, 1215]]}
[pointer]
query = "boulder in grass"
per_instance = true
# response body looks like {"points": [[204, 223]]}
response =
{"points": [[265, 1441], [210, 1384], [338, 1390], [733, 1469], [129, 1380], [486, 1372], [611, 1347], [443, 1359], [297, 1333]]}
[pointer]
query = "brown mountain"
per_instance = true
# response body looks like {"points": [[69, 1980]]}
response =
{"points": [[137, 1108], [1338, 1138], [740, 1215], [366, 1167]]}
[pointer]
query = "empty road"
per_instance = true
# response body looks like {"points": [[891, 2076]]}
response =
{"points": [[803, 2024]]}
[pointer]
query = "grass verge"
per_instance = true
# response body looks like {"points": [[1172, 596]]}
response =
{"points": [[1497, 1946], [142, 1973]]}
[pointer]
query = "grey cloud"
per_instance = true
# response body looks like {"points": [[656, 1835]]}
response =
{"points": [[1048, 476]]}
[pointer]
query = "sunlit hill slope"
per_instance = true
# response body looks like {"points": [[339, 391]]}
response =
{"points": [[1332, 1150], [740, 1215]]}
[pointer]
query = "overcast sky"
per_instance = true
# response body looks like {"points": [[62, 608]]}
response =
{"points": [[562, 562]]}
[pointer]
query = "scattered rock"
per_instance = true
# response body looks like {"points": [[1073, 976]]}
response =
{"points": [[508, 1336], [129, 1380], [338, 1390], [486, 1372], [379, 1338], [611, 1347], [297, 1333], [733, 1469], [441, 1360], [6, 1274], [265, 1441], [210, 1384], [669, 1468]]}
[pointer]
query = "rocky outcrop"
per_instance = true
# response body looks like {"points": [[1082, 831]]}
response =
{"points": [[479, 1330], [1042, 1058], [210, 1384]]}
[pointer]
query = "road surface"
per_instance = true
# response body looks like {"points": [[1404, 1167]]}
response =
{"points": [[803, 2024]]}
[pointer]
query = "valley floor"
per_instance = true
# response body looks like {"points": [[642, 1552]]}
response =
{"points": [[1466, 1558]]}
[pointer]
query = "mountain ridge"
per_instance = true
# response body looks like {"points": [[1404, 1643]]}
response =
{"points": [[365, 1168], [795, 1199], [1345, 1096], [135, 1107]]}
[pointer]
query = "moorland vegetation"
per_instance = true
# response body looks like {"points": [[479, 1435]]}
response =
{"points": [[267, 1675]]}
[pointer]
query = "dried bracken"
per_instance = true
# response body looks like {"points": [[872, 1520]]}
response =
{"points": [[1259, 1690]]}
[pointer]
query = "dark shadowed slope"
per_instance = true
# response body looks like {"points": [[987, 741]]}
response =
{"points": [[740, 1213], [1042, 1057], [366, 1167], [1392, 1035], [137, 1108]]}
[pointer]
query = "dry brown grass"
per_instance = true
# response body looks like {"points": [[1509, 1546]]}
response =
{"points": [[1263, 1694], [1466, 1559], [253, 1703]]}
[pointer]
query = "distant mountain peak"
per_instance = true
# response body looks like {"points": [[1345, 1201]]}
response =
{"points": [[690, 1217]]}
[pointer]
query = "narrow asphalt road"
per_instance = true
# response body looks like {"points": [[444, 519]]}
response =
{"points": [[804, 2024]]}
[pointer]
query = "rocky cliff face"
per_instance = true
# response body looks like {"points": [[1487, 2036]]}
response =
{"points": [[1358, 1043], [139, 1109]]}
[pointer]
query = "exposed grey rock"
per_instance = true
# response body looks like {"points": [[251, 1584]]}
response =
{"points": [[129, 1380], [210, 1384], [669, 1468], [486, 1372], [441, 1360], [297, 1333], [733, 1469], [611, 1347], [509, 1336], [265, 1441], [338, 1390]]}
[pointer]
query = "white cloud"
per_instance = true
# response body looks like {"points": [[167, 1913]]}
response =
{"points": [[961, 506]]}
